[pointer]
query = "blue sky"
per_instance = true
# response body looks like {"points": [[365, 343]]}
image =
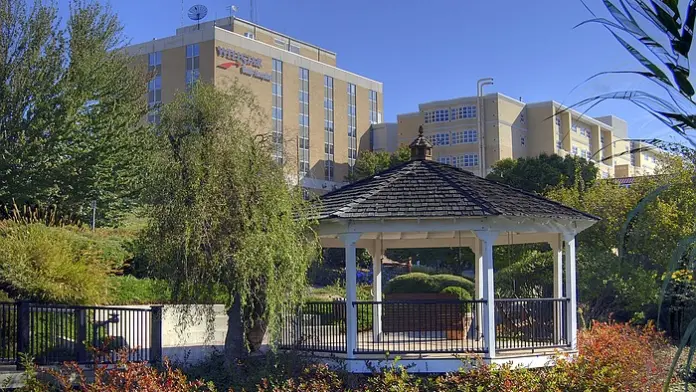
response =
{"points": [[437, 49]]}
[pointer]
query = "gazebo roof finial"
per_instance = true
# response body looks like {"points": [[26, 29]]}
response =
{"points": [[421, 148]]}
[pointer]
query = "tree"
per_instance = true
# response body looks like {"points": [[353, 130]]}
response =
{"points": [[71, 106], [222, 215], [539, 174], [370, 163]]}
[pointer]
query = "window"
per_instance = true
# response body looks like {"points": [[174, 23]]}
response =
{"points": [[352, 127], [522, 140], [633, 159], [304, 122], [574, 127], [280, 43], [605, 174], [559, 134], [440, 139], [575, 151], [373, 107], [294, 48], [470, 160], [328, 128], [444, 159], [277, 112], [465, 137], [464, 112], [249, 34], [522, 117], [435, 116], [192, 65], [154, 87]]}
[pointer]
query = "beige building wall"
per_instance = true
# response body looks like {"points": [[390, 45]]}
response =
{"points": [[267, 45], [514, 129]]}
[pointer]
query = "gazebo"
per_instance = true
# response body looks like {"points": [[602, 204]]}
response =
{"points": [[426, 204]]}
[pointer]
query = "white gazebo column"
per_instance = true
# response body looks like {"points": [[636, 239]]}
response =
{"points": [[377, 255], [571, 292], [349, 241], [478, 286], [557, 249], [487, 240]]}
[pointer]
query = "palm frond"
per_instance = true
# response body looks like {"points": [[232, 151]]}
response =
{"points": [[625, 228], [690, 331], [680, 250]]}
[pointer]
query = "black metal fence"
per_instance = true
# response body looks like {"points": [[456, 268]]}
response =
{"points": [[316, 327], [419, 326], [8, 333], [531, 323], [53, 334]]}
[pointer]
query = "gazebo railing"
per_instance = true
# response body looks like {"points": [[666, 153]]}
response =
{"points": [[532, 323], [426, 326], [419, 326]]}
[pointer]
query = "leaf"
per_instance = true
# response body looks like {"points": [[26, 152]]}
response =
{"points": [[654, 69], [623, 233], [690, 331], [681, 248]]}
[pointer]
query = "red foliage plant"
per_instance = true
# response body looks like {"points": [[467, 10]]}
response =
{"points": [[618, 355]]}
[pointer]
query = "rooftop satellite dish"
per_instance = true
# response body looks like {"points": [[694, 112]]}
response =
{"points": [[197, 12]]}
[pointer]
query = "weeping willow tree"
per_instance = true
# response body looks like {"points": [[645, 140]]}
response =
{"points": [[660, 39], [221, 215]]}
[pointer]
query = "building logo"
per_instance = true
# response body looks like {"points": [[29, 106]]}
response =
{"points": [[248, 65]]}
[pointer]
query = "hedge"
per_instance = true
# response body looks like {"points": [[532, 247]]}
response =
{"points": [[418, 282]]}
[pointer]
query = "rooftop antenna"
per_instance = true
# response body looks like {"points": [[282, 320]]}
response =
{"points": [[232, 9], [252, 11], [197, 12]]}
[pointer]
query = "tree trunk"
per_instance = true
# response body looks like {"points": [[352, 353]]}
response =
{"points": [[235, 347]]}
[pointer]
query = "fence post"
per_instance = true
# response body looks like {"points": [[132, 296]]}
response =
{"points": [[23, 331], [80, 334], [156, 335]]}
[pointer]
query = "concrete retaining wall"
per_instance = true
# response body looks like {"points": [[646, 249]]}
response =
{"points": [[186, 342]]}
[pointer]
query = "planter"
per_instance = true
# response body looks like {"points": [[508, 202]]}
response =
{"points": [[403, 313]]}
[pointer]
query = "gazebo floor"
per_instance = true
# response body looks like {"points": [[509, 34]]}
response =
{"points": [[421, 344]]}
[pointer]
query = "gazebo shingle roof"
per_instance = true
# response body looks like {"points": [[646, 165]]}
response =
{"points": [[428, 189]]}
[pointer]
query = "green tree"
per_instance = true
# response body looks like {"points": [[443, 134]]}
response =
{"points": [[370, 163], [539, 174], [221, 214], [71, 106]]}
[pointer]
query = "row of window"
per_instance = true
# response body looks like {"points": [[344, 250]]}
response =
{"points": [[352, 127], [456, 137], [465, 160], [281, 43], [328, 129], [277, 110], [154, 87], [193, 72], [444, 115], [304, 122]]}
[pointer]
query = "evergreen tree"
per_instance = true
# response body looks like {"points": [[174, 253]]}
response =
{"points": [[71, 109]]}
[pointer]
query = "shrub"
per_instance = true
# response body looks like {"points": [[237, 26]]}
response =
{"points": [[618, 355], [125, 376], [129, 290], [459, 292], [418, 282], [45, 264], [445, 280]]}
